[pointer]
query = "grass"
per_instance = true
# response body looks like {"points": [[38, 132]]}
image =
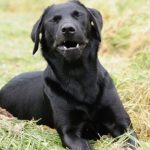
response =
{"points": [[125, 52], [26, 136]]}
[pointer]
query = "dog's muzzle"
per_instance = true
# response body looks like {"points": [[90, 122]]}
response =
{"points": [[70, 42]]}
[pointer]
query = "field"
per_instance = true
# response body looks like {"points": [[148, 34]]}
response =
{"points": [[125, 52]]}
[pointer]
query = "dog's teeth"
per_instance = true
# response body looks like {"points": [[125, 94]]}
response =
{"points": [[65, 48], [77, 45]]}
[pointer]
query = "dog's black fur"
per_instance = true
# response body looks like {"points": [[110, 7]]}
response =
{"points": [[74, 94]]}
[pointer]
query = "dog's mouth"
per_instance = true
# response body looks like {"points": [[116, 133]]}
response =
{"points": [[71, 50], [70, 45]]}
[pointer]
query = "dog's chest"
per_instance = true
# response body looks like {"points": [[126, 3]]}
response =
{"points": [[81, 91], [82, 114]]}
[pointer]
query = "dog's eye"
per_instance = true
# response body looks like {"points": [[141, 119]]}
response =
{"points": [[56, 19], [76, 14]]}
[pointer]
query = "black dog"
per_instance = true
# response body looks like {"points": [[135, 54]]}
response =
{"points": [[74, 94]]}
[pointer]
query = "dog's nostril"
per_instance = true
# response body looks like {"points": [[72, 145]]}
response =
{"points": [[68, 29], [71, 29], [63, 30]]}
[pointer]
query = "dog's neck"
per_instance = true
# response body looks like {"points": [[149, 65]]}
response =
{"points": [[82, 73]]}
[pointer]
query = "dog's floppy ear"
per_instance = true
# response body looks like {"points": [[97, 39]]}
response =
{"points": [[96, 18], [96, 21], [35, 34]]}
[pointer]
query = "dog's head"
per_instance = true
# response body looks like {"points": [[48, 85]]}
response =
{"points": [[67, 28]]}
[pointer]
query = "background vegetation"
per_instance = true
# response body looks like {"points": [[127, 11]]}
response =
{"points": [[125, 52]]}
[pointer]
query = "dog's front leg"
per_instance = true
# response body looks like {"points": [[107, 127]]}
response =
{"points": [[68, 122], [117, 121], [123, 125], [71, 139], [113, 115]]}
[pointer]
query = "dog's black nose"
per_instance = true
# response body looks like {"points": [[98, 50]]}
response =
{"points": [[68, 29]]}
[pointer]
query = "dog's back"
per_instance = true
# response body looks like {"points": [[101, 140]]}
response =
{"points": [[23, 97]]}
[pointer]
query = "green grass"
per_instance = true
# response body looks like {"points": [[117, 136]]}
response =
{"points": [[26, 135], [18, 135], [125, 52]]}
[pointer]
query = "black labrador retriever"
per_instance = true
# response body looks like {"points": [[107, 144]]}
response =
{"points": [[74, 94]]}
